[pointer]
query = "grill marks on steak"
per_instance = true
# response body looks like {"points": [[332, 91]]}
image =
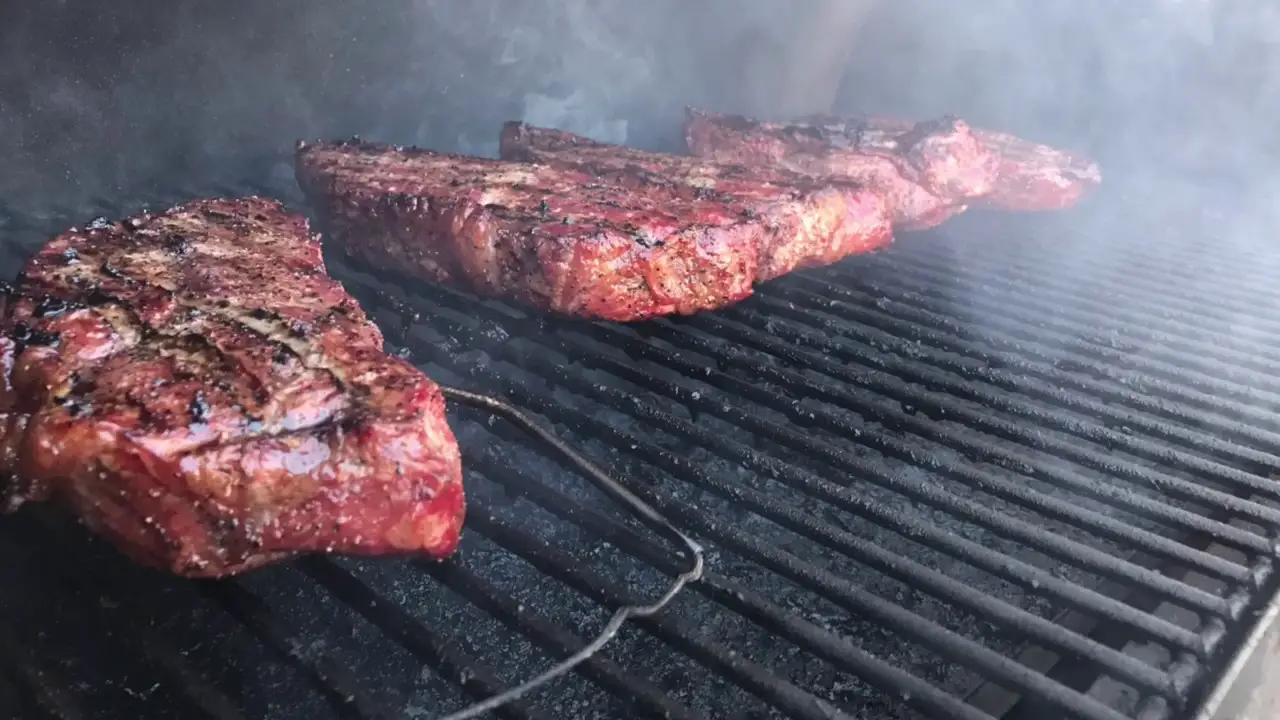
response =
{"points": [[852, 220], [204, 395], [572, 241]]}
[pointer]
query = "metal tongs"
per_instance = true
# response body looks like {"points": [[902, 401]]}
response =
{"points": [[634, 504]]}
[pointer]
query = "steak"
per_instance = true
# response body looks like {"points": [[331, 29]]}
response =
{"points": [[574, 242], [995, 170], [927, 172], [791, 246], [629, 166], [1034, 177], [204, 395], [1029, 177]]}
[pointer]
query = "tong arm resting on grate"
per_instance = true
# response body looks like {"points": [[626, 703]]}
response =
{"points": [[634, 504]]}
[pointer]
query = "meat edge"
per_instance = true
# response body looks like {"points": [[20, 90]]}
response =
{"points": [[421, 510], [457, 242]]}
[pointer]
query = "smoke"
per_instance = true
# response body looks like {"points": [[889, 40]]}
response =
{"points": [[573, 65], [1176, 99], [102, 97]]}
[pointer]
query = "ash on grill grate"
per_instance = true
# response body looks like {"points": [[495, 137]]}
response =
{"points": [[734, 512], [908, 469], [759, 645], [559, 362]]}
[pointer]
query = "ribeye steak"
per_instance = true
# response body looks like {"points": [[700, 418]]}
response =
{"points": [[1029, 176], [1034, 177], [929, 170], [570, 241], [791, 245], [203, 394]]}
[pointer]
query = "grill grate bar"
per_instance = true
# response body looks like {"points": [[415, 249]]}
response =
{"points": [[943, 406], [476, 679], [1139, 282], [1000, 355], [1168, 265], [1207, 381], [880, 349], [918, 576], [575, 346], [337, 684], [1065, 365], [852, 598], [202, 698], [972, 448], [1256, 277], [1184, 255], [958, 547], [736, 597], [805, 330], [35, 688], [1059, 547], [914, 574], [1180, 341], [14, 698], [1027, 338], [1123, 532], [749, 675], [501, 606]]}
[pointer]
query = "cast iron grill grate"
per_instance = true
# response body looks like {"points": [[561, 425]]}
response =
{"points": [[951, 479]]}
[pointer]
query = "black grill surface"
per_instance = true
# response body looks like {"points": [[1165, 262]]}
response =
{"points": [[989, 472]]}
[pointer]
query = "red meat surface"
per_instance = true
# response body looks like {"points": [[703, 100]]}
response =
{"points": [[791, 246], [928, 171], [205, 396], [622, 244]]}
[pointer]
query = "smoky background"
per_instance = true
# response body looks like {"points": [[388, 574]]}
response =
{"points": [[1176, 99], [1178, 95]]}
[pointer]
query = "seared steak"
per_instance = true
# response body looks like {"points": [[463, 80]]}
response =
{"points": [[569, 241], [1034, 177], [630, 166], [203, 394], [791, 245], [927, 172], [1029, 176]]}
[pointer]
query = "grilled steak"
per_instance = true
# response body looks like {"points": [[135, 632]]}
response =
{"points": [[569, 241], [203, 394], [1034, 177], [927, 172], [939, 165], [791, 245], [630, 166], [1029, 176]]}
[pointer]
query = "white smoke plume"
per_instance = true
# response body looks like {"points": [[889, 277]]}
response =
{"points": [[98, 97]]}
